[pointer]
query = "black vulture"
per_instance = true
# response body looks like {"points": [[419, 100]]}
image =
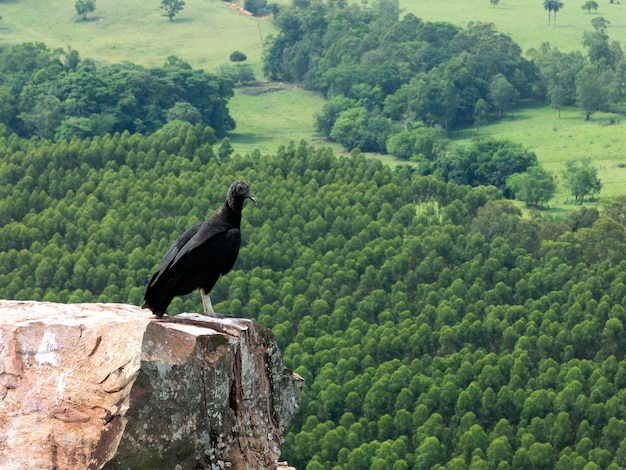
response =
{"points": [[200, 255]]}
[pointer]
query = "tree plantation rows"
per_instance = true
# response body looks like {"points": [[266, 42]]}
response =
{"points": [[397, 84], [435, 327]]}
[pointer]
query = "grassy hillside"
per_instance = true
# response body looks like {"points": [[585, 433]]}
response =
{"points": [[289, 111], [526, 21], [204, 33], [557, 140]]}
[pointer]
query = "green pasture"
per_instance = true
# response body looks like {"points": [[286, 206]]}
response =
{"points": [[271, 115], [555, 141], [526, 21], [204, 34]]}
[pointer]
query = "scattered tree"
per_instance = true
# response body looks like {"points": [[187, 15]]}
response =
{"points": [[480, 114], [582, 179], [85, 6], [502, 94], [558, 97], [237, 57], [589, 92], [240, 74], [552, 6], [590, 5], [557, 5], [535, 187], [172, 7], [548, 5]]}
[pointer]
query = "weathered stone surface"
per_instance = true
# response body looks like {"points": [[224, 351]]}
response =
{"points": [[108, 386]]}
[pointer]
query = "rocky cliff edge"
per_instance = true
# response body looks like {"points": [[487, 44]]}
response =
{"points": [[91, 386]]}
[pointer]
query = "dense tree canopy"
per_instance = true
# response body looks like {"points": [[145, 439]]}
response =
{"points": [[393, 70], [383, 72], [56, 95], [434, 326], [485, 161], [256, 7]]}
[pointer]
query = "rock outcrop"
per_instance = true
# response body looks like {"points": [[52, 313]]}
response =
{"points": [[91, 386]]}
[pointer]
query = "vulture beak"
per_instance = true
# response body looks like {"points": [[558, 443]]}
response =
{"points": [[253, 198]]}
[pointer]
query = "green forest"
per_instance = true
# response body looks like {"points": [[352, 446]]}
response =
{"points": [[54, 94], [390, 79], [434, 326]]}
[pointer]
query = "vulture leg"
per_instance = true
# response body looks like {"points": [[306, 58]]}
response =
{"points": [[206, 302]]}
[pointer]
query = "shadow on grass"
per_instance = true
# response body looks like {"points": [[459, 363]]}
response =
{"points": [[554, 212], [246, 138], [519, 113], [176, 20]]}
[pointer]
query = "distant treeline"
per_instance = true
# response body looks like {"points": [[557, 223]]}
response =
{"points": [[390, 79], [54, 94]]}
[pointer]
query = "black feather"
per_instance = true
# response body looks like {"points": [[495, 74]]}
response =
{"points": [[201, 254]]}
